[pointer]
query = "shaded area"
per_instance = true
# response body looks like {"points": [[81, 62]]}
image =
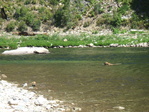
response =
{"points": [[3, 14], [141, 7]]}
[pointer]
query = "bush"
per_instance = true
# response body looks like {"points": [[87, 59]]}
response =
{"points": [[117, 21], [32, 21], [27, 2], [86, 24], [98, 9], [36, 25], [22, 26], [91, 1], [10, 27], [45, 14], [30, 2], [122, 10], [54, 2], [106, 19], [61, 17], [21, 12], [29, 18]]}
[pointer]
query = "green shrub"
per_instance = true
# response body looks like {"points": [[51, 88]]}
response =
{"points": [[21, 12], [61, 17], [86, 24], [45, 14], [22, 26], [27, 2], [54, 2], [117, 21], [91, 1], [122, 10], [29, 18], [97, 9], [36, 25], [10, 27]]}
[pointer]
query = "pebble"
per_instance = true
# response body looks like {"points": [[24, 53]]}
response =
{"points": [[21, 100]]}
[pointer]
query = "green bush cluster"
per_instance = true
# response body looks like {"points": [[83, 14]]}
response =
{"points": [[29, 18], [10, 27], [68, 13], [22, 26]]}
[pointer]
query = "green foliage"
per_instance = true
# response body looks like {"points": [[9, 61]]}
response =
{"points": [[54, 2], [74, 40], [97, 9], [62, 16], [30, 2], [27, 2], [36, 25], [86, 24], [45, 14], [117, 21], [32, 21], [21, 12], [91, 1], [118, 31], [122, 10], [29, 18], [66, 17], [5, 42], [37, 12], [104, 20], [22, 26], [10, 27]]}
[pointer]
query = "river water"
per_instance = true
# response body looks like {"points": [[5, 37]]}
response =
{"points": [[78, 76]]}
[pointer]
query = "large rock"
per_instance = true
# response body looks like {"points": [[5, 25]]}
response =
{"points": [[27, 50]]}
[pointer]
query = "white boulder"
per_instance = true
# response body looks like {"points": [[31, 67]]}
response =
{"points": [[27, 50]]}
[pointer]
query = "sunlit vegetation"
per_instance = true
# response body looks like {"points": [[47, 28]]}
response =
{"points": [[67, 14]]}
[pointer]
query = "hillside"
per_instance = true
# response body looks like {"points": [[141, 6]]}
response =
{"points": [[76, 15]]}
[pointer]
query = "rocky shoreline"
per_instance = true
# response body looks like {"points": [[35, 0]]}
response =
{"points": [[145, 44], [17, 99]]}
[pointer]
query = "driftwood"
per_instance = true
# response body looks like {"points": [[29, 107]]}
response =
{"points": [[28, 33]]}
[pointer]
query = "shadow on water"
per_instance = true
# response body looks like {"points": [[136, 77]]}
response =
{"points": [[79, 76]]}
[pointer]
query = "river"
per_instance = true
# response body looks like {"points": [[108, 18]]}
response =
{"points": [[78, 76]]}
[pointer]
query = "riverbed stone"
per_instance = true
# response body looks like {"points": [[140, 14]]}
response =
{"points": [[20, 100], [114, 45], [13, 102], [26, 50]]}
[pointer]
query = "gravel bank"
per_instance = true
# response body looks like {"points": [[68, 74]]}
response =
{"points": [[16, 99]]}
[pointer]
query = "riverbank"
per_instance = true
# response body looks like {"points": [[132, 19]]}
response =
{"points": [[133, 38], [14, 98]]}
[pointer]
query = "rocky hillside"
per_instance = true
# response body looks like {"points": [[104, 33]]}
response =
{"points": [[86, 15]]}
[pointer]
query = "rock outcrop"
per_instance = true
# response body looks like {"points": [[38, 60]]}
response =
{"points": [[27, 50]]}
